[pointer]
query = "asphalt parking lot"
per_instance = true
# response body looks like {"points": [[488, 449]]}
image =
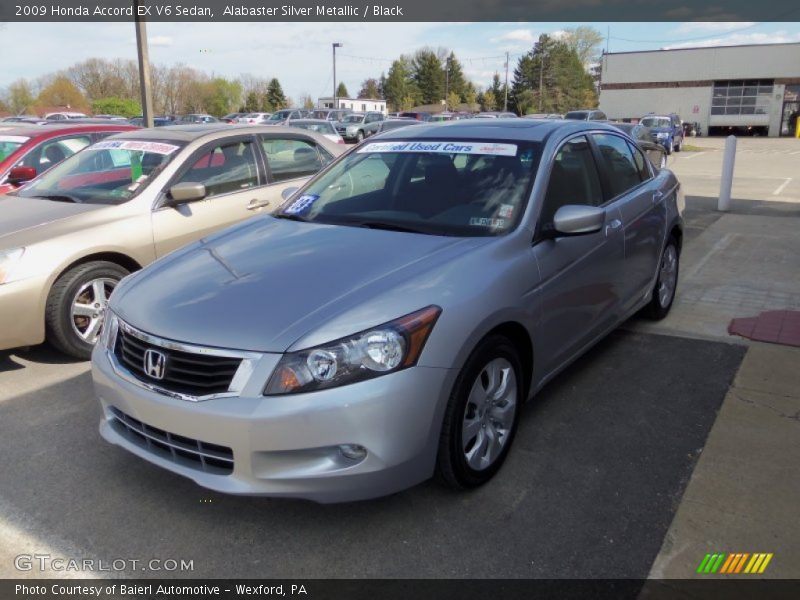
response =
{"points": [[597, 471]]}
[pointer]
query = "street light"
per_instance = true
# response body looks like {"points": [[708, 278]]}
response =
{"points": [[335, 46]]}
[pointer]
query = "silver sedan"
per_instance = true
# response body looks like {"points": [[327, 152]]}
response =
{"points": [[389, 321]]}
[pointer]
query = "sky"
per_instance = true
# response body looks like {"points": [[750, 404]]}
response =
{"points": [[299, 54]]}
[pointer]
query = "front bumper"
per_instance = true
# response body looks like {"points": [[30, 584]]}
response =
{"points": [[289, 445], [22, 313]]}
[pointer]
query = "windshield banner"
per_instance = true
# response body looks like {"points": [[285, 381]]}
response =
{"points": [[443, 147], [14, 138], [154, 147]]}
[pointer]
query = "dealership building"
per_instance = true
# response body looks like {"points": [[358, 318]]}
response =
{"points": [[752, 87]]}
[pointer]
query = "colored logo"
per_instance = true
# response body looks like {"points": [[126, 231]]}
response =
{"points": [[734, 563]]}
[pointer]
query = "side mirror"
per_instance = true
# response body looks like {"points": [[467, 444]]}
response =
{"points": [[188, 191], [577, 219], [19, 175], [288, 192]]}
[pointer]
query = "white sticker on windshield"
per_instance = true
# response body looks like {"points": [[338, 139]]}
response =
{"points": [[486, 222], [506, 211], [442, 148], [21, 139], [154, 147]]}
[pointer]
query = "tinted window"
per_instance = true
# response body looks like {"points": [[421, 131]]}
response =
{"points": [[289, 159], [577, 115], [623, 172], [226, 168], [573, 180], [459, 188], [53, 152], [641, 163]]}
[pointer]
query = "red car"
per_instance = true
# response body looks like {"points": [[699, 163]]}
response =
{"points": [[26, 151]]}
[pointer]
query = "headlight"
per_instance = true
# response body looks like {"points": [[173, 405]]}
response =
{"points": [[8, 262], [109, 333], [351, 129], [384, 349], [662, 135]]}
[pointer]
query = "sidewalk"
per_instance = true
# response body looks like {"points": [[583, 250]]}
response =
{"points": [[743, 494]]}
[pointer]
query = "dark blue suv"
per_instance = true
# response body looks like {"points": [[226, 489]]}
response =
{"points": [[667, 130]]}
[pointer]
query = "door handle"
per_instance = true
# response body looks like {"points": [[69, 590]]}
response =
{"points": [[613, 226], [255, 203], [657, 195]]}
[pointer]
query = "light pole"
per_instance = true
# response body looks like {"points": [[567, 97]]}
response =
{"points": [[335, 46], [144, 70], [446, 81]]}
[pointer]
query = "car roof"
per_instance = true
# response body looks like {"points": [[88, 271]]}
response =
{"points": [[534, 130], [211, 131], [310, 121], [40, 131]]}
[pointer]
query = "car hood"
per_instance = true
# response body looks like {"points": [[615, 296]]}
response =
{"points": [[20, 214], [263, 285]]}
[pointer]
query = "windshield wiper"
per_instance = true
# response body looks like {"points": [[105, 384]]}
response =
{"points": [[59, 198], [291, 217]]}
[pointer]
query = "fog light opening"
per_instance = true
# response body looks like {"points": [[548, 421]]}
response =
{"points": [[353, 451]]}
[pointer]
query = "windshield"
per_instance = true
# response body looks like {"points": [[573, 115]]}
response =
{"points": [[578, 115], [280, 115], [318, 127], [460, 188], [10, 144], [662, 122], [353, 119], [109, 172]]}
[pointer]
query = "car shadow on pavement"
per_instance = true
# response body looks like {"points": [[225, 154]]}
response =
{"points": [[44, 354], [598, 467]]}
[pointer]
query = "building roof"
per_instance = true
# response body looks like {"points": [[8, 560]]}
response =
{"points": [[768, 45]]}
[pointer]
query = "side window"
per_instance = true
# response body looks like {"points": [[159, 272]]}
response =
{"points": [[641, 163], [573, 180], [224, 169], [53, 152], [623, 172], [289, 159]]}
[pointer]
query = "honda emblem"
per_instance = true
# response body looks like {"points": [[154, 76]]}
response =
{"points": [[154, 364]]}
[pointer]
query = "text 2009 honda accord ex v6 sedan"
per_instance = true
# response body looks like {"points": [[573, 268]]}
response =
{"points": [[389, 320]]}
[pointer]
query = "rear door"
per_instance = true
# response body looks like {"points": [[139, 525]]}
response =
{"points": [[291, 160], [582, 276], [235, 182], [631, 183]]}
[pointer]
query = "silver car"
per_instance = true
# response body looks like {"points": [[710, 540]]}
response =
{"points": [[390, 319]]}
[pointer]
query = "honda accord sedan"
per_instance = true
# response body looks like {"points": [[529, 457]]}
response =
{"points": [[72, 233], [388, 322]]}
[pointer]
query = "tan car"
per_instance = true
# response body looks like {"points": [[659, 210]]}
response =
{"points": [[70, 235]]}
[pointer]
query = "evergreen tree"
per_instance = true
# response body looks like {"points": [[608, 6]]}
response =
{"points": [[456, 83], [428, 75], [275, 99], [341, 91], [369, 88], [399, 88]]}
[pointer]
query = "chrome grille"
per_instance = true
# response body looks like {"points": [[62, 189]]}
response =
{"points": [[179, 449], [184, 372]]}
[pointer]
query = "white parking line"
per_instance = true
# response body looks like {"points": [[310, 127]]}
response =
{"points": [[782, 187], [693, 155]]}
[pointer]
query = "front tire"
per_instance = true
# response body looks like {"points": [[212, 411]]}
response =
{"points": [[359, 137], [679, 146], [666, 282], [77, 304], [482, 415]]}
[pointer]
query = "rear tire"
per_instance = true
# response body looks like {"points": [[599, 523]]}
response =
{"points": [[666, 282], [482, 415], [77, 304], [359, 137]]}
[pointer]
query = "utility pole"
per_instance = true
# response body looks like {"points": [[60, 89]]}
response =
{"points": [[144, 69], [505, 100], [541, 82], [446, 81], [335, 46]]}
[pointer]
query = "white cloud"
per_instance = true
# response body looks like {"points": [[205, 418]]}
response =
{"points": [[516, 35], [160, 40], [707, 26], [739, 39]]}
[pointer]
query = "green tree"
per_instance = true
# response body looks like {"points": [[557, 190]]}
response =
{"points": [[124, 107], [471, 97], [252, 102], [20, 97], [455, 80], [399, 88], [489, 101], [428, 75], [275, 99], [308, 102], [221, 96], [555, 77], [370, 88], [341, 91], [453, 101], [382, 86]]}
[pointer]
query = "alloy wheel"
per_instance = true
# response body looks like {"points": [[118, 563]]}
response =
{"points": [[489, 414], [88, 308], [667, 275]]}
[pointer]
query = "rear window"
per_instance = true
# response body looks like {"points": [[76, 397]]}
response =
{"points": [[664, 122], [577, 115]]}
